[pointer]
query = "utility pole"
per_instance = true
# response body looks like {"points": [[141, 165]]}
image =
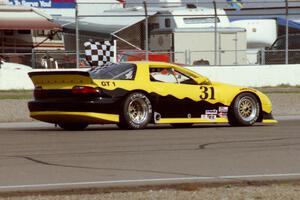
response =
{"points": [[216, 21], [146, 31], [77, 36], [286, 32]]}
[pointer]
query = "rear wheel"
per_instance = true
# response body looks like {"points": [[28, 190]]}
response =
{"points": [[73, 126], [136, 111], [244, 111]]}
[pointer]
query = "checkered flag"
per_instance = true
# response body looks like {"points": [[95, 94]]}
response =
{"points": [[100, 53]]}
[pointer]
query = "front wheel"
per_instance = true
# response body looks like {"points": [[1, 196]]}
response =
{"points": [[244, 111], [136, 111]]}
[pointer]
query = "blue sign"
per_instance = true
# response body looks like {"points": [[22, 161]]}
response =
{"points": [[45, 3]]}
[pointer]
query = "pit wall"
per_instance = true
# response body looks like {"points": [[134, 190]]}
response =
{"points": [[15, 79], [252, 76]]}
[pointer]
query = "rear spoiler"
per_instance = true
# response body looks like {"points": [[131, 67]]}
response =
{"points": [[61, 79], [42, 73]]}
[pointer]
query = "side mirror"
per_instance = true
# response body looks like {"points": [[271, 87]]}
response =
{"points": [[202, 80]]}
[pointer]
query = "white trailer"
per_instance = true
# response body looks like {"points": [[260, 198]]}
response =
{"points": [[261, 33], [197, 46]]}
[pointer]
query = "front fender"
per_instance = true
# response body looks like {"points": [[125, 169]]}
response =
{"points": [[266, 104]]}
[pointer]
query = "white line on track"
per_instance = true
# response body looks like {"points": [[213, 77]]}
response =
{"points": [[157, 180]]}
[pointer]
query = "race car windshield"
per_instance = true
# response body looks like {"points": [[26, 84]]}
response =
{"points": [[123, 71]]}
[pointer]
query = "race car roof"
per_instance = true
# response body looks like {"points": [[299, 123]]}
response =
{"points": [[25, 18], [104, 24]]}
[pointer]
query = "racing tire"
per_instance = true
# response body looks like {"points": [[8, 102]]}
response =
{"points": [[182, 125], [73, 126], [244, 111], [136, 111]]}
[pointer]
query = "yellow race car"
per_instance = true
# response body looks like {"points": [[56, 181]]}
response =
{"points": [[134, 94]]}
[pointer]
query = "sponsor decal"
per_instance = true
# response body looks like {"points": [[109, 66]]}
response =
{"points": [[210, 117], [211, 112], [204, 117], [44, 3], [107, 83], [222, 114], [223, 109]]}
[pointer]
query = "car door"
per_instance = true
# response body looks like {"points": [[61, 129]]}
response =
{"points": [[179, 96]]}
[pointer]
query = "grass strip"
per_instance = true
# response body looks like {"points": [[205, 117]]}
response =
{"points": [[16, 94]]}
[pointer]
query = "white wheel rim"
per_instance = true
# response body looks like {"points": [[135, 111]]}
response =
{"points": [[138, 110], [247, 108]]}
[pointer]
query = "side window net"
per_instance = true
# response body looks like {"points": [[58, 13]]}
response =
{"points": [[162, 75], [169, 75]]}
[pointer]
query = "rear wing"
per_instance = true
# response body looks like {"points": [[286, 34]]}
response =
{"points": [[61, 79]]}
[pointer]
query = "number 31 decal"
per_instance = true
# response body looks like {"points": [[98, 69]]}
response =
{"points": [[207, 92]]}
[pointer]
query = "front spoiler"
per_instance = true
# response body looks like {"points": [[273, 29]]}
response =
{"points": [[57, 117], [269, 121], [268, 118]]}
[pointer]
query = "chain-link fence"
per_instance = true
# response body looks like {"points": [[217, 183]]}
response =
{"points": [[217, 33]]}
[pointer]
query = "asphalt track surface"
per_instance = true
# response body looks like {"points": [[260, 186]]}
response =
{"points": [[38, 155]]}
